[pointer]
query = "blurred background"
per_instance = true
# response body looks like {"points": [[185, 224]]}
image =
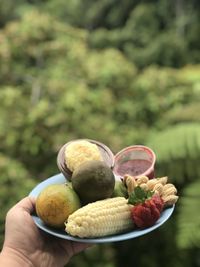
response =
{"points": [[121, 72]]}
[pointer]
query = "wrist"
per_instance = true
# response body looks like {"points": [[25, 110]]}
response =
{"points": [[12, 257]]}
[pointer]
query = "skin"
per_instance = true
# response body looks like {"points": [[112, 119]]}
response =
{"points": [[25, 245]]}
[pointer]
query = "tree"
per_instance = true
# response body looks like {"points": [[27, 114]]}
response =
{"points": [[57, 84]]}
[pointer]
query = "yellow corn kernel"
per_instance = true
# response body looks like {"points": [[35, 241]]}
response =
{"points": [[101, 218]]}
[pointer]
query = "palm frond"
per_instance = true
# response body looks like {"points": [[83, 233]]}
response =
{"points": [[189, 217], [187, 113], [178, 149]]}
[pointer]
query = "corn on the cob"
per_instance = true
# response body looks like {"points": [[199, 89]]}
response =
{"points": [[100, 218]]}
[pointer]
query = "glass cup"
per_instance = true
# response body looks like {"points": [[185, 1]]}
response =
{"points": [[106, 153], [136, 161]]}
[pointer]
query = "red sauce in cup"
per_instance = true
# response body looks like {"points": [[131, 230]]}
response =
{"points": [[133, 167], [136, 161]]}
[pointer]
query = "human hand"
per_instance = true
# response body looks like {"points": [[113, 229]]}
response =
{"points": [[30, 246]]}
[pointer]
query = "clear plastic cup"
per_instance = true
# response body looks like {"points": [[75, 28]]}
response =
{"points": [[136, 161]]}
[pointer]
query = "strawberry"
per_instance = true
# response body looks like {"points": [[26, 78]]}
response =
{"points": [[158, 201], [147, 207]]}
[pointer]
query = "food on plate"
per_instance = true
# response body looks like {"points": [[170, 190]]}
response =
{"points": [[55, 203], [120, 189], [93, 180], [93, 203], [147, 207], [165, 190], [80, 151], [101, 218]]}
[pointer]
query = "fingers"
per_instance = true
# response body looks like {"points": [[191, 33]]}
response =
{"points": [[27, 204], [72, 248], [78, 247]]}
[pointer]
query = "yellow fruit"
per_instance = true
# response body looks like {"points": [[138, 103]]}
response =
{"points": [[55, 203]]}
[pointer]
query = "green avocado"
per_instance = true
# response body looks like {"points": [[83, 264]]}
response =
{"points": [[93, 180]]}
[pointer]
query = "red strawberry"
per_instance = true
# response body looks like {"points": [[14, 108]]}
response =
{"points": [[147, 207], [145, 214], [158, 202]]}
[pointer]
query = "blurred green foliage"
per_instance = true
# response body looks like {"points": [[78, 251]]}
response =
{"points": [[121, 72]]}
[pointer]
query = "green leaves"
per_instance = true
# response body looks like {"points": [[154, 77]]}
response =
{"points": [[59, 87], [139, 196], [188, 217], [177, 149]]}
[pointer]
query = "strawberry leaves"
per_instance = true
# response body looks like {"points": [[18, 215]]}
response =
{"points": [[139, 195]]}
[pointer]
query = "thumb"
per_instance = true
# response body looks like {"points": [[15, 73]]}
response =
{"points": [[27, 204]]}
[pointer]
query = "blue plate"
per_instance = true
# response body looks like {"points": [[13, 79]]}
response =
{"points": [[58, 179]]}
